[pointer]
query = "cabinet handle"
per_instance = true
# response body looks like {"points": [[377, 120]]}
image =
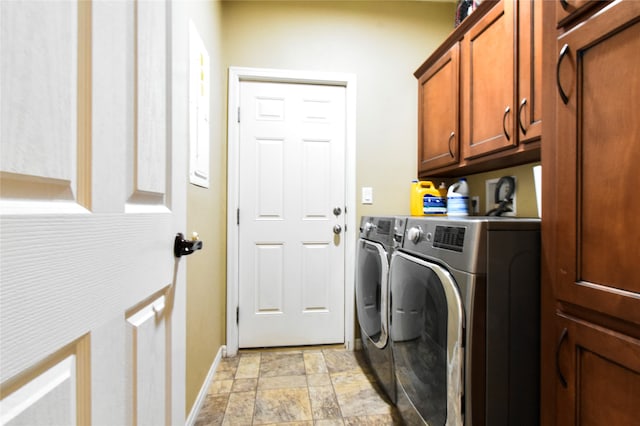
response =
{"points": [[504, 119], [520, 109], [563, 336], [451, 136], [564, 4], [563, 53]]}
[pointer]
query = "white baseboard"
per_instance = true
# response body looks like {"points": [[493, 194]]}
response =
{"points": [[202, 395]]}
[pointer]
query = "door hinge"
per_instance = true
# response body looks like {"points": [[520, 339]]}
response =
{"points": [[237, 314], [238, 216], [238, 114]]}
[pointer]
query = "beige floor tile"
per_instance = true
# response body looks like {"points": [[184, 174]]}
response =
{"points": [[314, 363], [340, 360], [228, 364], [376, 420], [328, 422], [351, 377], [244, 385], [212, 410], [248, 367], [282, 364], [240, 407], [237, 421], [225, 375], [220, 387], [323, 403], [360, 399], [282, 382], [282, 405], [318, 380], [309, 423]]}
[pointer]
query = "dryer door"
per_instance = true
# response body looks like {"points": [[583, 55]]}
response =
{"points": [[426, 332], [372, 291]]}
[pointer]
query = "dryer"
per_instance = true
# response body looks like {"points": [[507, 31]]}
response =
{"points": [[378, 238], [464, 321]]}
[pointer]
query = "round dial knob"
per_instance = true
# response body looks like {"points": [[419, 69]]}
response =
{"points": [[414, 234], [368, 227]]}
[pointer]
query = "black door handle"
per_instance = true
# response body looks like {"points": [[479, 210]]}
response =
{"points": [[182, 247]]}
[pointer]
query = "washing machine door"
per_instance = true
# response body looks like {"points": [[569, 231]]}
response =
{"points": [[372, 291], [426, 333]]}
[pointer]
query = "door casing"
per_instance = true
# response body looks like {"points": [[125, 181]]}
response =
{"points": [[236, 75]]}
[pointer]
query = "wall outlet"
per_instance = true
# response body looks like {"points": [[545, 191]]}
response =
{"points": [[490, 190]]}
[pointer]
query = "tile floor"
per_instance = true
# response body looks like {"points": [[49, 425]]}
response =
{"points": [[314, 386]]}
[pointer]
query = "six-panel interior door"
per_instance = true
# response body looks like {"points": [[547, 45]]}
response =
{"points": [[291, 248], [92, 196]]}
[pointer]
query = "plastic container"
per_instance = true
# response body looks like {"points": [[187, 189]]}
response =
{"points": [[426, 200], [458, 199], [443, 190]]}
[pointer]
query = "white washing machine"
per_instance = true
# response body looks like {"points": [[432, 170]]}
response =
{"points": [[378, 238], [464, 321]]}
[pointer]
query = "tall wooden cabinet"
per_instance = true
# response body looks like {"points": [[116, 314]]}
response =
{"points": [[591, 225]]}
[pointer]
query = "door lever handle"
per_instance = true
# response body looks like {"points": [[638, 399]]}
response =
{"points": [[182, 247]]}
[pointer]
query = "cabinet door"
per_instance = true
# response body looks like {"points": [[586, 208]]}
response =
{"points": [[488, 83], [438, 113], [529, 115], [598, 153], [598, 375]]}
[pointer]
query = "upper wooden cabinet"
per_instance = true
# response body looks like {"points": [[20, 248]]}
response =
{"points": [[488, 83], [529, 91], [438, 134], [496, 98]]}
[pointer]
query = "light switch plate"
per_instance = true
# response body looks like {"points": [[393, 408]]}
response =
{"points": [[367, 195]]}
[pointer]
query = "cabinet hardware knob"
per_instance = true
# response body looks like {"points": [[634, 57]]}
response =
{"points": [[337, 229], [504, 119], [520, 109], [563, 53], [563, 336]]}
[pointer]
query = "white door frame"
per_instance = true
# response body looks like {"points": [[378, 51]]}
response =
{"points": [[236, 75]]}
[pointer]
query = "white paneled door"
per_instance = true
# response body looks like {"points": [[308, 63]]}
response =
{"points": [[291, 214], [92, 195]]}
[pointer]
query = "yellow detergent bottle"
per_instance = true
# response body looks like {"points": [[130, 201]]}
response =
{"points": [[426, 200]]}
